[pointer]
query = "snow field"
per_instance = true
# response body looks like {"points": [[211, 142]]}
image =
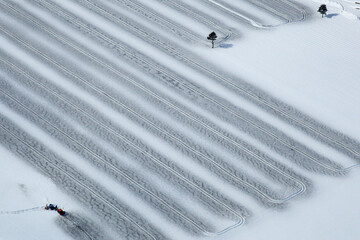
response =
{"points": [[175, 135], [30, 188]]}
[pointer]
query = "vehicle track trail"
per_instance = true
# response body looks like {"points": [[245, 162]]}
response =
{"points": [[270, 9], [302, 186], [227, 9], [284, 12], [161, 20], [292, 12], [128, 222], [80, 228], [276, 137], [44, 87], [266, 102], [205, 19], [66, 176], [272, 104], [105, 163]]}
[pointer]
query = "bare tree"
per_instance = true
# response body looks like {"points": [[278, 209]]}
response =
{"points": [[212, 36], [322, 10]]}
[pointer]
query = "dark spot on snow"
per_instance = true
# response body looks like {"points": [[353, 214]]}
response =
{"points": [[226, 45], [23, 188], [332, 15]]}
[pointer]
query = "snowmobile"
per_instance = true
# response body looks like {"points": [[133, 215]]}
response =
{"points": [[61, 212], [55, 207]]}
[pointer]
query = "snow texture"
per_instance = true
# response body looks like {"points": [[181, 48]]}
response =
{"points": [[121, 114]]}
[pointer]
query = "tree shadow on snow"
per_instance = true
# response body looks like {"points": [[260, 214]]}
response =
{"points": [[226, 45], [332, 15]]}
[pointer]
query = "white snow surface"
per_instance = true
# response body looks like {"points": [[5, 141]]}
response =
{"points": [[312, 65]]}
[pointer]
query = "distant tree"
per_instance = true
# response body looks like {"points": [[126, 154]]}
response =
{"points": [[322, 10], [212, 36]]}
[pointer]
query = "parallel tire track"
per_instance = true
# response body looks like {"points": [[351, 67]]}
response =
{"points": [[227, 9], [256, 98], [161, 20], [110, 165], [75, 179], [66, 172], [207, 20], [226, 108], [264, 195]]}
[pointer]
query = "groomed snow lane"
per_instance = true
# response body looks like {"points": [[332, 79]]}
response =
{"points": [[128, 224], [276, 172], [153, 139], [265, 101], [80, 144]]}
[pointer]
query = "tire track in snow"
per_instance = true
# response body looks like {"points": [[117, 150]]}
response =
{"points": [[219, 167], [79, 227], [42, 86], [271, 8], [222, 6], [207, 20], [118, 171], [63, 97], [272, 104], [230, 168], [282, 8], [66, 176], [306, 122], [115, 97], [92, 153], [223, 106], [227, 9], [163, 21]]}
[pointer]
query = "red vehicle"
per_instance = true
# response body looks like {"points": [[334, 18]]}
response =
{"points": [[61, 212]]}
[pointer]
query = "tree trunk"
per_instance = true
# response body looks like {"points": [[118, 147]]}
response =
{"points": [[212, 43]]}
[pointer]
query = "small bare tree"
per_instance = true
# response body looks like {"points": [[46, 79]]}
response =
{"points": [[212, 36], [322, 10]]}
